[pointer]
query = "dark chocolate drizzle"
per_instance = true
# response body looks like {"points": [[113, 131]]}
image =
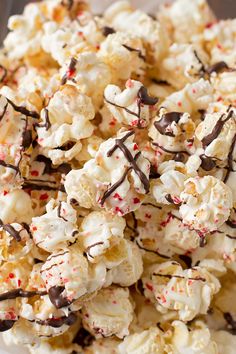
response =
{"points": [[160, 82], [59, 212], [218, 67], [4, 111], [24, 110], [231, 224], [202, 69], [41, 187], [143, 98], [10, 229], [107, 30], [94, 245], [8, 165], [4, 75], [56, 297], [83, 338], [231, 323], [47, 124], [207, 163], [59, 322], [138, 51], [171, 151], [68, 4], [163, 125], [132, 160], [170, 276], [151, 251], [230, 167], [27, 139], [71, 69], [186, 259], [13, 294], [5, 325], [207, 140]]}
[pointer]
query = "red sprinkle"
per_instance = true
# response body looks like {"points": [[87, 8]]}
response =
{"points": [[117, 196], [135, 147], [11, 275], [19, 282], [43, 196], [179, 104], [34, 228], [34, 173], [5, 192], [136, 200], [149, 286], [148, 216]]}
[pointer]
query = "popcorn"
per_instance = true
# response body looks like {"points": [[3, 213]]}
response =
{"points": [[206, 203], [146, 342], [133, 106], [185, 293], [15, 207], [67, 276], [124, 54], [99, 232], [184, 64], [123, 18], [186, 20], [114, 161], [217, 129], [89, 74], [110, 312], [53, 230], [192, 98], [67, 125]]}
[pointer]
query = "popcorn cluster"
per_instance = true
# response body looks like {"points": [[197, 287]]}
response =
{"points": [[117, 180]]}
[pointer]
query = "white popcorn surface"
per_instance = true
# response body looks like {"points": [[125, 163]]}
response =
{"points": [[117, 179]]}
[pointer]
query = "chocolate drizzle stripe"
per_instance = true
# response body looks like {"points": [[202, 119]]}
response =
{"points": [[10, 229], [138, 51], [170, 276], [4, 73], [47, 124], [120, 144], [207, 140], [151, 251], [4, 111], [23, 110], [8, 165], [56, 297], [57, 255], [59, 212], [71, 70], [231, 224], [230, 236], [126, 109], [107, 30], [110, 190], [94, 245], [59, 322], [202, 69], [13, 294], [163, 125], [230, 160], [5, 325], [218, 67], [39, 187], [171, 151]]}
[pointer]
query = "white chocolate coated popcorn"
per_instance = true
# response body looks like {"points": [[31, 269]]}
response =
{"points": [[55, 228], [206, 203], [185, 292], [131, 106], [90, 185], [110, 312]]}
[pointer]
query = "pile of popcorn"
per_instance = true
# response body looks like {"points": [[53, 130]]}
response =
{"points": [[118, 180]]}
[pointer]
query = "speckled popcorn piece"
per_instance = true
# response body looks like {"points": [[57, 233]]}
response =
{"points": [[132, 106], [210, 200], [53, 230], [111, 166], [184, 292], [109, 313]]}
